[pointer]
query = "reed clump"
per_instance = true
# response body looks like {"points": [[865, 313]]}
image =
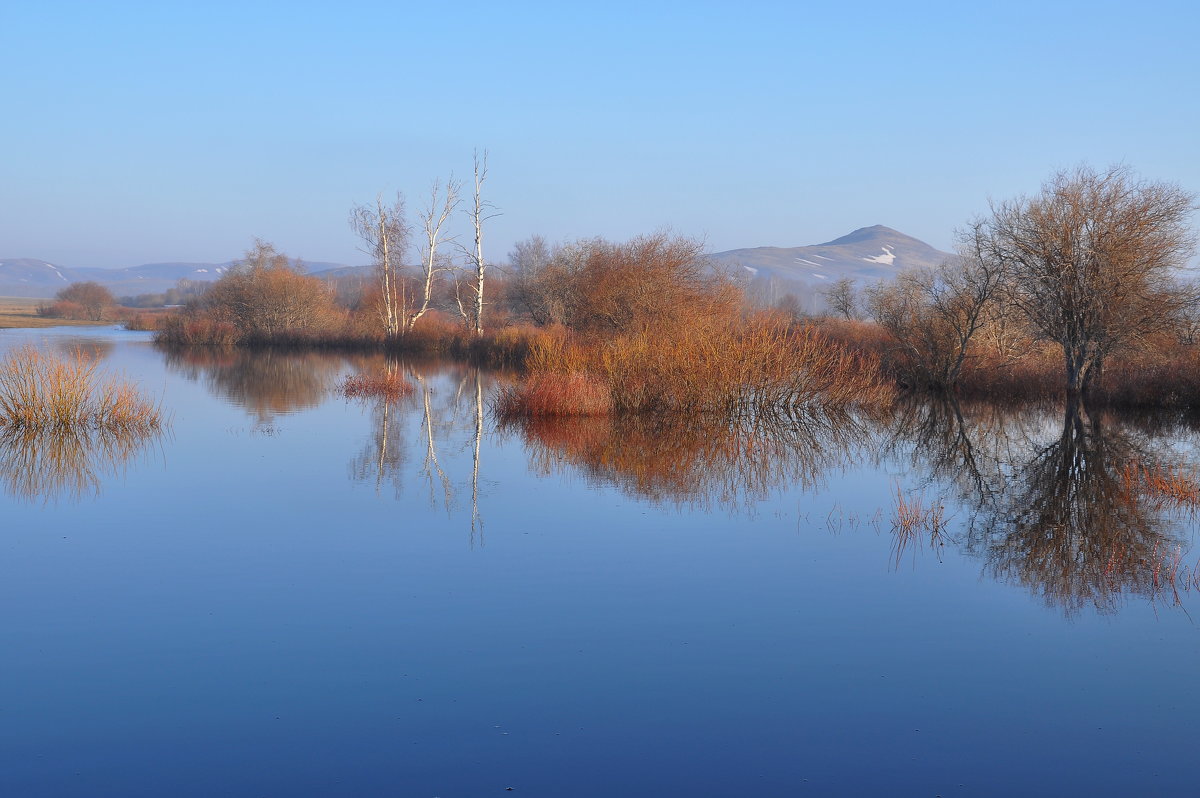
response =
{"points": [[913, 520], [388, 385], [43, 391]]}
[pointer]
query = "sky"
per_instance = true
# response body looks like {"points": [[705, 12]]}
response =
{"points": [[137, 133]]}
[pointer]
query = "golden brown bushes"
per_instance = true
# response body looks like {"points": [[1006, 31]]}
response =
{"points": [[722, 366], [40, 391]]}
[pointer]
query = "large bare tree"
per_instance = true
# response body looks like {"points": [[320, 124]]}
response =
{"points": [[1093, 261], [385, 233]]}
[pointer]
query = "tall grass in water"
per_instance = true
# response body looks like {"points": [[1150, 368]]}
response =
{"points": [[42, 391], [388, 385], [541, 395], [912, 521]]}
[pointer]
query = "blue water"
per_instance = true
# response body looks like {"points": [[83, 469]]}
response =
{"points": [[271, 600]]}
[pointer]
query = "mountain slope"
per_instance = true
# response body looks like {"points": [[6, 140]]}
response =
{"points": [[867, 255]]}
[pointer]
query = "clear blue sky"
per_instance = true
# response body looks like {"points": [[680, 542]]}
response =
{"points": [[137, 133]]}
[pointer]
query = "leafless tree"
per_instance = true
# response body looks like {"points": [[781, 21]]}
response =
{"points": [[842, 298], [384, 232], [442, 204], [932, 315], [1092, 261], [479, 212]]}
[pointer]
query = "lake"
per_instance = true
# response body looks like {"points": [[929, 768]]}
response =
{"points": [[291, 593]]}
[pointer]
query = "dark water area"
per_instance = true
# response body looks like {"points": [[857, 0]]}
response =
{"points": [[289, 593]]}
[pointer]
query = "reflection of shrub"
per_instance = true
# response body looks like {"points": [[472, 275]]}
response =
{"points": [[43, 391]]}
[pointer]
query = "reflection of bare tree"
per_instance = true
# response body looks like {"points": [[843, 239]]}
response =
{"points": [[1066, 521], [475, 519], [449, 401], [383, 454], [973, 448], [66, 463], [266, 382], [431, 465], [1075, 530], [695, 460]]}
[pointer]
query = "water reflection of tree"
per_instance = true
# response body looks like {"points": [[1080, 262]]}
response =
{"points": [[1060, 517], [449, 400], [383, 455], [266, 382], [66, 463], [695, 460]]}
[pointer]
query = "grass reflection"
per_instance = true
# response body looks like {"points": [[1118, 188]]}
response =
{"points": [[67, 463]]}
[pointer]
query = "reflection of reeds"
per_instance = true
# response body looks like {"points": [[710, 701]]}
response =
{"points": [[41, 391], [66, 462], [913, 521]]}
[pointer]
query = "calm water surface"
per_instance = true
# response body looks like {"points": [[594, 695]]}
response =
{"points": [[293, 594]]}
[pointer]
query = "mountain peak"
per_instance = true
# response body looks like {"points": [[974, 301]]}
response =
{"points": [[867, 234]]}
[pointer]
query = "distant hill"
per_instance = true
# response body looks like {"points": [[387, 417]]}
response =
{"points": [[32, 278], [867, 255], [26, 277]]}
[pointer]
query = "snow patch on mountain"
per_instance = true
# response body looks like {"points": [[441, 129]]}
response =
{"points": [[887, 258]]}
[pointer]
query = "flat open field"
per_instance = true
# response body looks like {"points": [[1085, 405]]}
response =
{"points": [[22, 312]]}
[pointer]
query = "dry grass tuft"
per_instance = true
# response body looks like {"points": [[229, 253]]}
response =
{"points": [[388, 385], [41, 391], [913, 521]]}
